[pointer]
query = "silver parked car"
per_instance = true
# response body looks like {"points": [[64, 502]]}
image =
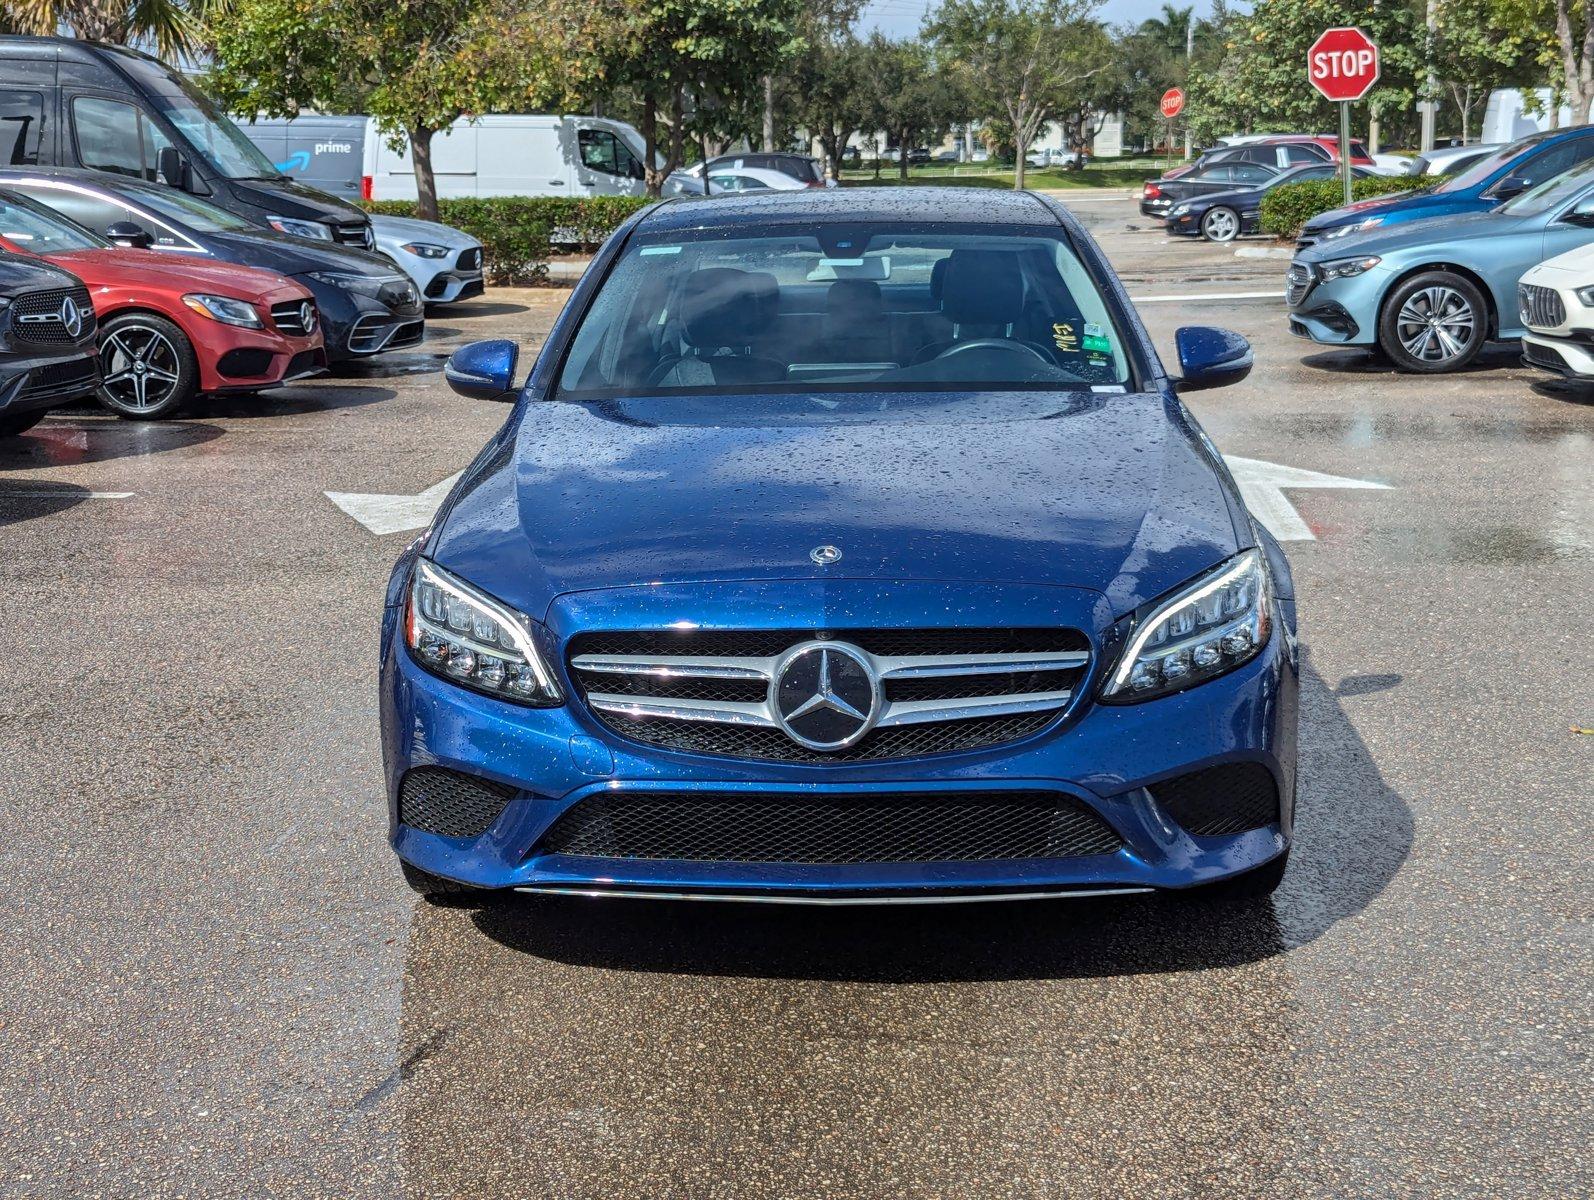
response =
{"points": [[445, 264]]}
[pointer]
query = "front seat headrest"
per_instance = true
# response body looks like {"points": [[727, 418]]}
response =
{"points": [[722, 307], [982, 287]]}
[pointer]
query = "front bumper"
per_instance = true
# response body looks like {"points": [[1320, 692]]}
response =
{"points": [[1108, 758], [29, 383], [234, 359], [356, 325], [1570, 357], [1339, 312]]}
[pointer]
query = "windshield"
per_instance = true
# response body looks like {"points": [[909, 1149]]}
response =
{"points": [[199, 215], [33, 227], [206, 127], [835, 308], [1483, 168], [1552, 193]]}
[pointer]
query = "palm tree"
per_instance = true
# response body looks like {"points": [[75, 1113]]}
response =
{"points": [[1172, 29], [173, 26]]}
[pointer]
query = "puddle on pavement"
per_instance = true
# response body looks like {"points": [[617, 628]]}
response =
{"points": [[1367, 429]]}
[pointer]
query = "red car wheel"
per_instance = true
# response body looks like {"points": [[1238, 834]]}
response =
{"points": [[147, 367]]}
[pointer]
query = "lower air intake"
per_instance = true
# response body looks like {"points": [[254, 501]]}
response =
{"points": [[437, 800], [834, 830], [1221, 800]]}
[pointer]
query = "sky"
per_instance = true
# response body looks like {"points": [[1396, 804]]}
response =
{"points": [[902, 18]]}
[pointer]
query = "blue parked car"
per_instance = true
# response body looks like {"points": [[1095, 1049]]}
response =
{"points": [[1431, 293], [843, 546], [1508, 172]]}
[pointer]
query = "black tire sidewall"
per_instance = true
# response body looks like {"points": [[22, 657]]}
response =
{"points": [[187, 365], [1209, 214], [1389, 337]]}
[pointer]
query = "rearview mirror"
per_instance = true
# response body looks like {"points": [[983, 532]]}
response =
{"points": [[130, 234], [1210, 358], [1511, 185], [173, 168], [483, 370]]}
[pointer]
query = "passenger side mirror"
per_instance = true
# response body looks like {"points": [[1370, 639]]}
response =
{"points": [[1210, 358], [130, 234], [1581, 213], [1511, 185], [173, 169], [483, 370]]}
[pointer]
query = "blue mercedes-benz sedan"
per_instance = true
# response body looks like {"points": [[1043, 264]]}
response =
{"points": [[844, 546]]}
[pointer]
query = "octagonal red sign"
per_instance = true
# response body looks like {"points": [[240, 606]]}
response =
{"points": [[1172, 103], [1343, 64]]}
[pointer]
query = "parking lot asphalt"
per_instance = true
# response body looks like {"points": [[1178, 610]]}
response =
{"points": [[214, 982]]}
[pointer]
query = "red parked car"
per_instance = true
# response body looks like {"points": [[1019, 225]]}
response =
{"points": [[172, 326]]}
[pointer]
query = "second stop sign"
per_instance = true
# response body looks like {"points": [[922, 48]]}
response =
{"points": [[1343, 64]]}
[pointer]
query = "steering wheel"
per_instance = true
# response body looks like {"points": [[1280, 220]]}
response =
{"points": [[993, 344]]}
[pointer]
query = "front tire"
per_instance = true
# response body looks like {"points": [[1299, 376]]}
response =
{"points": [[1220, 225], [148, 367], [448, 893], [1254, 884], [19, 423], [1433, 322]]}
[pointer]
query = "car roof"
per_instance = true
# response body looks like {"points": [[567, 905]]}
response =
{"points": [[928, 205], [107, 180]]}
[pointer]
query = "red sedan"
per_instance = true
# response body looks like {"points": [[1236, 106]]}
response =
{"points": [[171, 326]]}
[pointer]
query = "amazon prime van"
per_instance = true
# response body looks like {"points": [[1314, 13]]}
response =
{"points": [[515, 155], [327, 153], [71, 103]]}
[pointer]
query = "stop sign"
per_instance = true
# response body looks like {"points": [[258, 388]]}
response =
{"points": [[1343, 64], [1172, 103]]}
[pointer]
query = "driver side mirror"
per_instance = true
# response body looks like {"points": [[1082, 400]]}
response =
{"points": [[483, 370], [173, 169], [130, 234], [1210, 358], [1581, 213], [1511, 185]]}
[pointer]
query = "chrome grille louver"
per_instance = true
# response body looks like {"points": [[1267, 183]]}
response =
{"points": [[941, 690], [1542, 307], [1297, 282]]}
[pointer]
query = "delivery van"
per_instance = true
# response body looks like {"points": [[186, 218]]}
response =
{"points": [[71, 103], [514, 155], [327, 153]]}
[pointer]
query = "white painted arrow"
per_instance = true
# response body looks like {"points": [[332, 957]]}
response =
{"points": [[1261, 483], [1262, 486], [383, 514]]}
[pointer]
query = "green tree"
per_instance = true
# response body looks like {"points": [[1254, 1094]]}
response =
{"points": [[417, 66], [1479, 45], [174, 26], [908, 98], [828, 93], [1018, 58]]}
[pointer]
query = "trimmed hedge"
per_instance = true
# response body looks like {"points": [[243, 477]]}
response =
{"points": [[1285, 209], [518, 233]]}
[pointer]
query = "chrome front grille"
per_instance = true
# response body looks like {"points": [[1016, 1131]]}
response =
{"points": [[296, 318], [60, 316], [926, 691], [353, 233], [374, 332], [1297, 282], [1541, 307]]}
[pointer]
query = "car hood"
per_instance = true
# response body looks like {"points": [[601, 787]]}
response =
{"points": [[294, 256], [291, 199], [1111, 493], [1428, 232], [397, 230], [158, 269], [1411, 206]]}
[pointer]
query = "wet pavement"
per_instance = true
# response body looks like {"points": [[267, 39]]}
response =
{"points": [[215, 983]]}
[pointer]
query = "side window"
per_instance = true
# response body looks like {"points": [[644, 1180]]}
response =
{"points": [[1251, 173], [1560, 157], [600, 151], [89, 211], [116, 137], [1303, 154], [1314, 173], [21, 118], [1261, 154], [726, 183]]}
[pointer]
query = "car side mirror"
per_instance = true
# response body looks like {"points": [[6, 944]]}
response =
{"points": [[173, 168], [1210, 358], [130, 234], [483, 370], [1581, 213], [1511, 185]]}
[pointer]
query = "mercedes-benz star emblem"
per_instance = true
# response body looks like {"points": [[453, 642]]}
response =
{"points": [[825, 555], [307, 317], [826, 695], [71, 317]]}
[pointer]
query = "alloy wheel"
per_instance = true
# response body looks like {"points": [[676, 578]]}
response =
{"points": [[140, 368], [1436, 324], [1220, 225]]}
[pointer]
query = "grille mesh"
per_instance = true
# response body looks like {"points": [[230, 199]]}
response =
{"points": [[1221, 800], [437, 800], [63, 379], [47, 304], [912, 827]]}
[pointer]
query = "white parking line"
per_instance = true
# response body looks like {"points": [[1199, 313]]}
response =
{"points": [[1172, 299]]}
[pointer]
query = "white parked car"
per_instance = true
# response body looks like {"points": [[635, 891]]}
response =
{"points": [[727, 180], [1556, 298], [444, 263], [1451, 160]]}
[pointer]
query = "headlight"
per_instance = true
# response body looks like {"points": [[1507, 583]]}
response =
{"points": [[224, 309], [471, 639], [1178, 210], [366, 285], [1585, 296], [314, 230], [1212, 626], [1347, 268], [425, 250], [1340, 231]]}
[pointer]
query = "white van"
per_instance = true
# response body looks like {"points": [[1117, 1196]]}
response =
{"points": [[514, 155], [1506, 116]]}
